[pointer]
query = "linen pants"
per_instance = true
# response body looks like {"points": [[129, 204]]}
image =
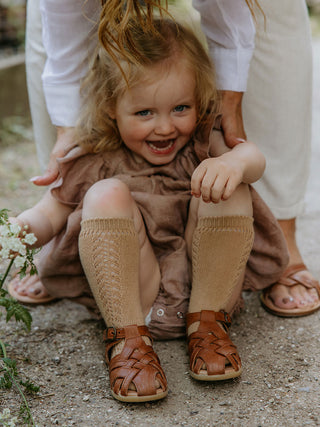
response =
{"points": [[277, 104], [43, 130]]}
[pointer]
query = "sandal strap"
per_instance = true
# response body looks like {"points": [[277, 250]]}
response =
{"points": [[209, 316], [115, 334], [112, 335], [137, 364], [292, 276], [210, 345]]}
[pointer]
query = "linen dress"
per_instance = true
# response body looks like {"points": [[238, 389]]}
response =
{"points": [[162, 194]]}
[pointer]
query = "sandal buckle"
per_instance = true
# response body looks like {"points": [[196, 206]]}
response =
{"points": [[227, 318], [110, 334]]}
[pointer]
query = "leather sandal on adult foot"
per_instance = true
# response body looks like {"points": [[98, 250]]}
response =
{"points": [[36, 296], [213, 356], [292, 276], [136, 371]]}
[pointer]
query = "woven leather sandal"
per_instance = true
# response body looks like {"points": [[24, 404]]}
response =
{"points": [[213, 356], [137, 364], [293, 275]]}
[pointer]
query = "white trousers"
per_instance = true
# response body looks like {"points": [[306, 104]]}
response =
{"points": [[277, 104], [44, 131]]}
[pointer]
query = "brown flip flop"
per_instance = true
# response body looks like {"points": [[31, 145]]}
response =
{"points": [[292, 276]]}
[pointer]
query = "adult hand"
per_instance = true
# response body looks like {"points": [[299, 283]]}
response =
{"points": [[62, 146], [232, 122]]}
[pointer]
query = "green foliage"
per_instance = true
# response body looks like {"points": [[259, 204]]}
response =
{"points": [[16, 310], [30, 387], [5, 381], [9, 375], [4, 216]]}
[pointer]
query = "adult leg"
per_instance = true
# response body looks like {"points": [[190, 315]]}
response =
{"points": [[124, 277], [44, 131], [219, 239], [277, 116], [30, 289]]}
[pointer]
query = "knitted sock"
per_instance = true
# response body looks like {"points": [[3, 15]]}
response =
{"points": [[220, 250], [109, 252]]}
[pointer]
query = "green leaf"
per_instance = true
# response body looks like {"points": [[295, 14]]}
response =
{"points": [[5, 381], [4, 216], [20, 313], [29, 386]]}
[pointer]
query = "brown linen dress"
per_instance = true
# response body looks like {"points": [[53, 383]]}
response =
{"points": [[162, 194]]}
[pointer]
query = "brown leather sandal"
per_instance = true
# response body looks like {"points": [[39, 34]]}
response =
{"points": [[213, 356], [36, 298], [292, 276], [137, 364]]}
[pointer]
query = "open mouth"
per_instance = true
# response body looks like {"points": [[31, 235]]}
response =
{"points": [[161, 147]]}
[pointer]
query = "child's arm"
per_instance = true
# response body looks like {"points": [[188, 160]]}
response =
{"points": [[216, 178], [45, 219]]}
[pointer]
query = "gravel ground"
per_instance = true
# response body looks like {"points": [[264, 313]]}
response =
{"points": [[63, 353]]}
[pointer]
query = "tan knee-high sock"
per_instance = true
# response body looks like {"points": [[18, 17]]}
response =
{"points": [[220, 250], [109, 252]]}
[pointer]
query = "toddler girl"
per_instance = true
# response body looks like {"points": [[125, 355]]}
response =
{"points": [[145, 194]]}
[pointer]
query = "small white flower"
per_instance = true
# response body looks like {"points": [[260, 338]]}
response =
{"points": [[19, 261], [4, 253], [4, 230], [15, 245], [30, 239], [7, 418], [15, 229]]}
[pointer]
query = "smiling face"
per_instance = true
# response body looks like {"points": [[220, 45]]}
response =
{"points": [[157, 117]]}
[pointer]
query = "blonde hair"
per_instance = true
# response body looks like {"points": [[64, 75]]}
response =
{"points": [[119, 67]]}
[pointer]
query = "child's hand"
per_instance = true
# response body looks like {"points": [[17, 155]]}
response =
{"points": [[215, 179]]}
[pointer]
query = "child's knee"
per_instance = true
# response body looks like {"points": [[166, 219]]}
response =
{"points": [[239, 203], [108, 197]]}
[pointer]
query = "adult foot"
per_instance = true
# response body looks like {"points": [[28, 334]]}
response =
{"points": [[29, 290], [297, 293]]}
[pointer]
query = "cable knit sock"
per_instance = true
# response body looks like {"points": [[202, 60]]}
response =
{"points": [[220, 250], [109, 252]]}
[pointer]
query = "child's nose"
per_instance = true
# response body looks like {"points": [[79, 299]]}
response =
{"points": [[164, 126]]}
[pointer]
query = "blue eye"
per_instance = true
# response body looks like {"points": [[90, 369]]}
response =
{"points": [[180, 108], [143, 113]]}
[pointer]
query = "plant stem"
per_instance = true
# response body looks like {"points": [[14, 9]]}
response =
{"points": [[18, 387], [6, 273], [3, 348]]}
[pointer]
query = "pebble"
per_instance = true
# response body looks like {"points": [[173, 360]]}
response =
{"points": [[306, 389]]}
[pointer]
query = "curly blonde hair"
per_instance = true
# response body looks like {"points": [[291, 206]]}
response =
{"points": [[116, 69]]}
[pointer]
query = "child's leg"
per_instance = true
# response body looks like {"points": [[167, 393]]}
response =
{"points": [[124, 276], [219, 238], [117, 255]]}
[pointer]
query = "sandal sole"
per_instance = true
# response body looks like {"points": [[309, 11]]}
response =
{"points": [[28, 300], [137, 399], [222, 377], [295, 312]]}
